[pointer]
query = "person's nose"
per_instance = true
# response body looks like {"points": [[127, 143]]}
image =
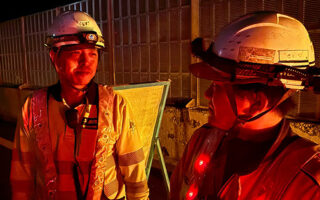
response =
{"points": [[84, 58]]}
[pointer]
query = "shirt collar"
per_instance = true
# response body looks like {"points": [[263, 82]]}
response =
{"points": [[92, 94]]}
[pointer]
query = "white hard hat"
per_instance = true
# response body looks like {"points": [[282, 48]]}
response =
{"points": [[74, 27], [266, 38], [263, 44]]}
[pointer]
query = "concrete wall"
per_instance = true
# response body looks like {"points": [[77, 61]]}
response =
{"points": [[178, 125]]}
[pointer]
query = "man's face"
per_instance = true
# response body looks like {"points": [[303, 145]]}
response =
{"points": [[248, 103], [76, 65]]}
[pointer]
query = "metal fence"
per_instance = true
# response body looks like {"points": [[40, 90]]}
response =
{"points": [[149, 39], [11, 56]]}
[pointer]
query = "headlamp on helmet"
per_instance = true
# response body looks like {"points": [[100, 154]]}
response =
{"points": [[80, 38]]}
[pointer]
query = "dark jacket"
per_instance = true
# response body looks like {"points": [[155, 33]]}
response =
{"points": [[210, 168]]}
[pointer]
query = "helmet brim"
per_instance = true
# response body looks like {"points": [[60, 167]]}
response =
{"points": [[205, 71], [74, 39]]}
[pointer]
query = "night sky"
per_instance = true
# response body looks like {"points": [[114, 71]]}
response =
{"points": [[12, 9]]}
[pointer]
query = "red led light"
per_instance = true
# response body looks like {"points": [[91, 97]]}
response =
{"points": [[201, 163], [192, 192]]}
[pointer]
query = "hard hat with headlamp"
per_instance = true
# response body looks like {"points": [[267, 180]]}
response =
{"points": [[74, 27], [263, 47]]}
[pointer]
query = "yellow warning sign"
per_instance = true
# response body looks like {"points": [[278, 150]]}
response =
{"points": [[144, 103]]}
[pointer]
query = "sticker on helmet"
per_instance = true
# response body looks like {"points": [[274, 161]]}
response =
{"points": [[293, 56], [83, 23], [256, 55]]}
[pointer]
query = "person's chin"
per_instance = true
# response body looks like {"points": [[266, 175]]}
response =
{"points": [[81, 83], [221, 123], [83, 79]]}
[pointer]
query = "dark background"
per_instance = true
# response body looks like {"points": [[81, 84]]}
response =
{"points": [[11, 9]]}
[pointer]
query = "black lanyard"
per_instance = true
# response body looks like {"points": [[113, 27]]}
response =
{"points": [[73, 121]]}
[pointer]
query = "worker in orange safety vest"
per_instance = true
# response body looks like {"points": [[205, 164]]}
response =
{"points": [[247, 150], [77, 139]]}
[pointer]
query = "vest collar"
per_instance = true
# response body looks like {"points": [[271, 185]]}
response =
{"points": [[92, 94]]}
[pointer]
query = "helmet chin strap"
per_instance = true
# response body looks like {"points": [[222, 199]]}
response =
{"points": [[231, 97]]}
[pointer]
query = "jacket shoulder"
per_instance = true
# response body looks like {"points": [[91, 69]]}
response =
{"points": [[106, 95], [105, 90], [312, 167]]}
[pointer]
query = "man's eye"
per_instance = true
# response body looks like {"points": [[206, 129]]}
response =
{"points": [[75, 52]]}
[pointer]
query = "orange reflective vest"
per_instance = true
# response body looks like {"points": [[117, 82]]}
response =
{"points": [[289, 170], [118, 168]]}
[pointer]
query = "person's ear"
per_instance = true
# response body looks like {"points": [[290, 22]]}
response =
{"points": [[53, 57]]}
